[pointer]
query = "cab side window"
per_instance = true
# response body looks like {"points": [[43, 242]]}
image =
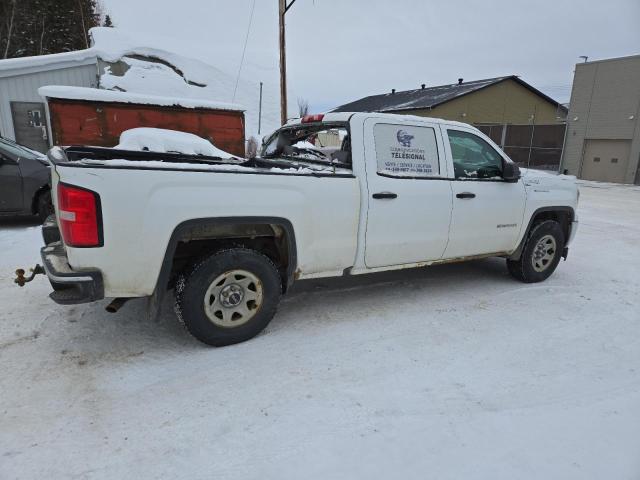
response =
{"points": [[473, 158]]}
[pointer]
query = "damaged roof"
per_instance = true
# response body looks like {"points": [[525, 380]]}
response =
{"points": [[430, 97]]}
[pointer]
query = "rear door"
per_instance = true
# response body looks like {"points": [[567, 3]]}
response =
{"points": [[10, 181], [409, 194], [487, 211]]}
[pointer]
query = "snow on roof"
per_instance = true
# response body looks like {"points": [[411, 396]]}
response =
{"points": [[9, 66], [100, 95]]}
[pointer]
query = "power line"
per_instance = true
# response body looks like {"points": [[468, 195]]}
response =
{"points": [[244, 49]]}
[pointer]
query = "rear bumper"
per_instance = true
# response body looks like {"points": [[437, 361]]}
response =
{"points": [[70, 287]]}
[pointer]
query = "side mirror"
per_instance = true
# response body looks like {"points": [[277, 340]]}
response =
{"points": [[510, 172]]}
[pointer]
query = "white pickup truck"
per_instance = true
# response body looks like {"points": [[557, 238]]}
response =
{"points": [[329, 195]]}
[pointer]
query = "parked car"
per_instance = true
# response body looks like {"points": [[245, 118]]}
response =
{"points": [[393, 192], [24, 181]]}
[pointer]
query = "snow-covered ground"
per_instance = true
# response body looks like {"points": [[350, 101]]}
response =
{"points": [[447, 372]]}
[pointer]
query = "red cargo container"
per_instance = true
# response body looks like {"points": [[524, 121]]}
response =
{"points": [[97, 122]]}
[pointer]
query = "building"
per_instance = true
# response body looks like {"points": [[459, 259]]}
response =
{"points": [[494, 101], [603, 125], [22, 110], [525, 122], [123, 69]]}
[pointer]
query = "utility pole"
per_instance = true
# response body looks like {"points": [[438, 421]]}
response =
{"points": [[282, 11], [260, 111]]}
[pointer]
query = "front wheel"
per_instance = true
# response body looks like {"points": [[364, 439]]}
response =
{"points": [[541, 253], [228, 297]]}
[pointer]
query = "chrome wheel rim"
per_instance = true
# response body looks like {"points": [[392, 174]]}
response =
{"points": [[543, 253], [233, 298]]}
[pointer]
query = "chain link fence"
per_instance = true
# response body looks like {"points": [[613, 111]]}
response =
{"points": [[530, 146]]}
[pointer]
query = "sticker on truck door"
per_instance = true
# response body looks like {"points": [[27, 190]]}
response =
{"points": [[406, 151]]}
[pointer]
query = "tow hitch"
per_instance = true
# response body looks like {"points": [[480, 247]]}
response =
{"points": [[21, 279]]}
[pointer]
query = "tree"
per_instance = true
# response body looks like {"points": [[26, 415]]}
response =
{"points": [[107, 21], [8, 12], [40, 27], [303, 107]]}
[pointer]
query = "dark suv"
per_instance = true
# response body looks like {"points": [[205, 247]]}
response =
{"points": [[24, 181]]}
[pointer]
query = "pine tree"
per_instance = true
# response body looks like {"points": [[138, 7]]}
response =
{"points": [[40, 27], [107, 21]]}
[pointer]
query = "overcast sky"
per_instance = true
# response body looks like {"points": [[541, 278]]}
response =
{"points": [[342, 50]]}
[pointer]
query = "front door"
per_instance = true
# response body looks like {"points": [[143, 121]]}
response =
{"points": [[487, 211], [409, 195], [30, 125]]}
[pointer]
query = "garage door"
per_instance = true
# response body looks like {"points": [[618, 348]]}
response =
{"points": [[606, 160]]}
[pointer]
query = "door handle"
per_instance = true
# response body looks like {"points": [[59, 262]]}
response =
{"points": [[382, 195], [466, 195]]}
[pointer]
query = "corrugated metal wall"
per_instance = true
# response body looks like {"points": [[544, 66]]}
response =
{"points": [[605, 105], [24, 88]]}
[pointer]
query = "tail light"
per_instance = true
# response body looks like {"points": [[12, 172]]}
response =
{"points": [[79, 216]]}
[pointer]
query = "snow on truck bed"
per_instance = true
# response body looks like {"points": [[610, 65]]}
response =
{"points": [[222, 168], [162, 140]]}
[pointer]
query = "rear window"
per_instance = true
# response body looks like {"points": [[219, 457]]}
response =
{"points": [[406, 151], [317, 143]]}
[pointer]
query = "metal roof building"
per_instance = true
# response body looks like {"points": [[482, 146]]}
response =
{"points": [[22, 109], [500, 100], [603, 126]]}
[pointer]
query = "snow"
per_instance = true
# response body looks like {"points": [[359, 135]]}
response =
{"points": [[306, 144], [161, 140], [196, 80], [100, 95], [159, 164], [193, 84], [449, 372]]}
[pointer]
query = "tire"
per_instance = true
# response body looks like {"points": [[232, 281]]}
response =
{"points": [[44, 205], [541, 253], [228, 297]]}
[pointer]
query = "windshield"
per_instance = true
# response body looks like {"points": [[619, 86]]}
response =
{"points": [[319, 143]]}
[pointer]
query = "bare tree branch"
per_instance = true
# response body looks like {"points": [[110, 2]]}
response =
{"points": [[41, 36], [303, 107], [10, 29]]}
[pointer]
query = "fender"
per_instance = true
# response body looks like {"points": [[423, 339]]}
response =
{"points": [[518, 251], [155, 300]]}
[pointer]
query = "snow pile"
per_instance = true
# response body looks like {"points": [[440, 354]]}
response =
{"points": [[160, 140], [158, 72], [99, 95]]}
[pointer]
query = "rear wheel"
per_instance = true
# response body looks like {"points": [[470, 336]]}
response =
{"points": [[44, 205], [228, 297], [541, 253]]}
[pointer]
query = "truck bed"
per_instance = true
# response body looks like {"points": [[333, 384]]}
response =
{"points": [[79, 156]]}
